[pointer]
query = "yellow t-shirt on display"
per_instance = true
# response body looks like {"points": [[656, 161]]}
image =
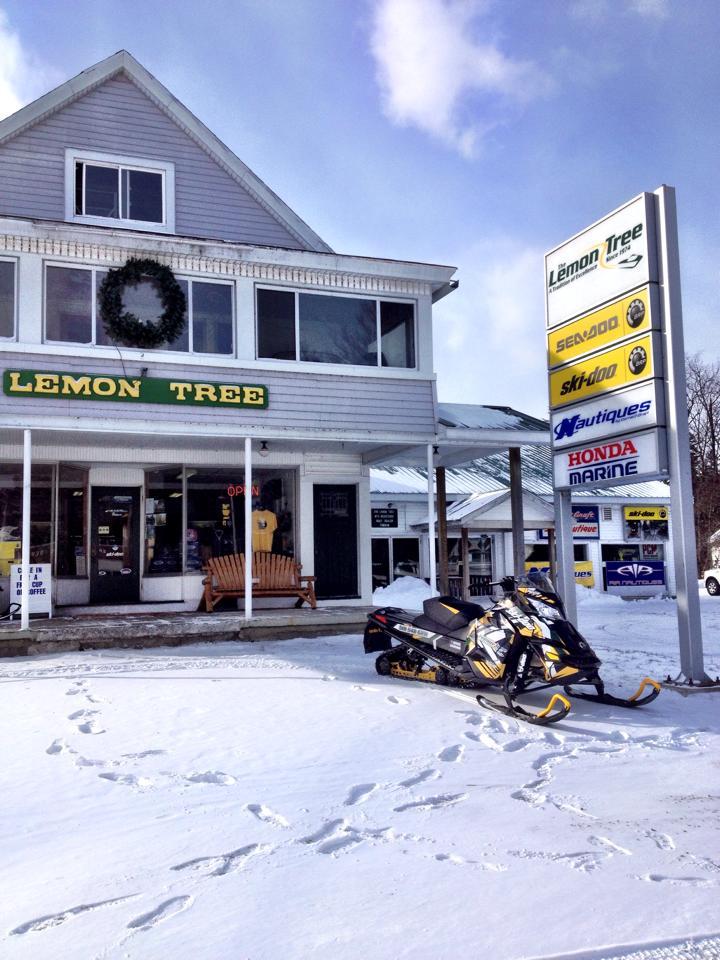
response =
{"points": [[264, 525]]}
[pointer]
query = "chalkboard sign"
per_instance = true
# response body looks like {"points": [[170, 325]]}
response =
{"points": [[384, 516]]}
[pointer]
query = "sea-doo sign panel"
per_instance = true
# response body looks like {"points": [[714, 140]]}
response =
{"points": [[612, 256]]}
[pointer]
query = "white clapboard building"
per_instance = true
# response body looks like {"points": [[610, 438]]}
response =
{"points": [[284, 370]]}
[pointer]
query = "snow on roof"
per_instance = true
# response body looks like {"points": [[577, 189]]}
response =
{"points": [[474, 416], [492, 473]]}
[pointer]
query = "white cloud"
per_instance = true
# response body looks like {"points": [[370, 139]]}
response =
{"points": [[431, 70], [658, 9], [22, 78], [490, 334]]}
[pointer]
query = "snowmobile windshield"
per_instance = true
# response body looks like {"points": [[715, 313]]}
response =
{"points": [[541, 581]]}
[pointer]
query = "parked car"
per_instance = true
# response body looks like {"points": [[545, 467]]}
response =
{"points": [[712, 581]]}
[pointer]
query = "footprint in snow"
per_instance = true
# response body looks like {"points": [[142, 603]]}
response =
{"points": [[421, 777], [433, 803], [663, 841], [91, 727], [55, 919], [451, 754], [167, 909], [400, 701], [327, 830], [224, 863], [210, 776], [359, 793], [267, 815], [678, 881], [128, 779], [57, 746], [80, 714]]}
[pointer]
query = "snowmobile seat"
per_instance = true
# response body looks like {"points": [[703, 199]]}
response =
{"points": [[448, 614]]}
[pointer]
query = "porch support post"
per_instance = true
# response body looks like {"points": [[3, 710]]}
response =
{"points": [[25, 561], [442, 530], [465, 556], [565, 585], [516, 509], [431, 518], [248, 529], [551, 555]]}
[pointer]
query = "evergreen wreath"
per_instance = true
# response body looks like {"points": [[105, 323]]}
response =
{"points": [[125, 327]]}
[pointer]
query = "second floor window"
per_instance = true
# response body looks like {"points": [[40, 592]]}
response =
{"points": [[7, 298], [72, 314], [321, 328]]}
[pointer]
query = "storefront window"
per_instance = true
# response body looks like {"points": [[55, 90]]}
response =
{"points": [[11, 481], [216, 513], [338, 330], [163, 521], [72, 516], [394, 557], [619, 551]]}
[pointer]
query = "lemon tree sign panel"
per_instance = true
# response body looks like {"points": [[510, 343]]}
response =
{"points": [[605, 261]]}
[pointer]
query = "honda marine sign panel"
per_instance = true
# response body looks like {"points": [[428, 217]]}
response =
{"points": [[610, 463], [601, 263], [633, 409]]}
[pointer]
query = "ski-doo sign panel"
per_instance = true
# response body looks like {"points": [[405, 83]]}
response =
{"points": [[611, 257]]}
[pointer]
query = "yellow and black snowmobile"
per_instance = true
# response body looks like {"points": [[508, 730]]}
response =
{"points": [[521, 643]]}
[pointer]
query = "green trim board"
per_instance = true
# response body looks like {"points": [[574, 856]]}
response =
{"points": [[63, 385]]}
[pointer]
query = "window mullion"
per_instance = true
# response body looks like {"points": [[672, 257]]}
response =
{"points": [[191, 337], [93, 306], [378, 329], [84, 187]]}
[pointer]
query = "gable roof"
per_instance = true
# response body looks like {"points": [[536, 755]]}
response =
{"points": [[124, 63]]}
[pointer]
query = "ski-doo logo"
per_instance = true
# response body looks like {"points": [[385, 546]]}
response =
{"points": [[635, 570], [604, 255], [569, 426], [585, 379]]}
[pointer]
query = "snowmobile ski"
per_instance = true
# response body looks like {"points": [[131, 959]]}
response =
{"points": [[542, 718], [636, 700]]}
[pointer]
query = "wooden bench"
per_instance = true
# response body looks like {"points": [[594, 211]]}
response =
{"points": [[273, 576]]}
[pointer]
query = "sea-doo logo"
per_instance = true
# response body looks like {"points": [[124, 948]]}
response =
{"points": [[635, 570], [601, 255], [569, 426]]}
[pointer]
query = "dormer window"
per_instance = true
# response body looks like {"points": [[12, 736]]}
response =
{"points": [[108, 190]]}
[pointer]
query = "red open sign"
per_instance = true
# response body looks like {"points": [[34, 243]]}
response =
{"points": [[238, 490]]}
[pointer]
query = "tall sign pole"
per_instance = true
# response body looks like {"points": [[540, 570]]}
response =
{"points": [[616, 384], [684, 548]]}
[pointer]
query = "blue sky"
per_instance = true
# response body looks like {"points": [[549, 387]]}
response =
{"points": [[478, 133]]}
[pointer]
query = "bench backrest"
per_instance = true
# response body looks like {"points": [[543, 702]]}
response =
{"points": [[272, 571]]}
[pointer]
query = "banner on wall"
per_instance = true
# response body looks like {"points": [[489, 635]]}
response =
{"points": [[583, 571], [586, 523], [636, 573]]}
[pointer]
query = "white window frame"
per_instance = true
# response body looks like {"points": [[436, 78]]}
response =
{"points": [[120, 162], [348, 296], [95, 269], [16, 299]]}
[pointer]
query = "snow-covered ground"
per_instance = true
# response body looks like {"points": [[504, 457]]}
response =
{"points": [[280, 801]]}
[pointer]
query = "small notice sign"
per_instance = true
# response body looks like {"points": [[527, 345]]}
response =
{"points": [[384, 517], [40, 592]]}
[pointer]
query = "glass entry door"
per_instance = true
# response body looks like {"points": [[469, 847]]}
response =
{"points": [[115, 545]]}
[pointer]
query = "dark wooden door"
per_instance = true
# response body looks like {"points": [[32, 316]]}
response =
{"points": [[115, 545], [336, 541]]}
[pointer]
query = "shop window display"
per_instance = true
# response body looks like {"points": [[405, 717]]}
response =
{"points": [[41, 542], [216, 513], [163, 521], [72, 517]]}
